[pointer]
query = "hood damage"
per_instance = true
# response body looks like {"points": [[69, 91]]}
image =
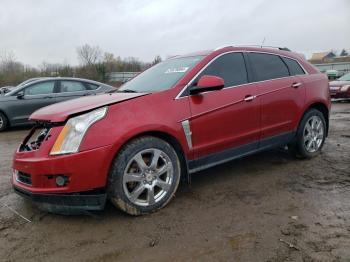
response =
{"points": [[60, 112]]}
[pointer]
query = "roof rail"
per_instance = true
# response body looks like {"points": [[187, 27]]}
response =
{"points": [[222, 46], [261, 46]]}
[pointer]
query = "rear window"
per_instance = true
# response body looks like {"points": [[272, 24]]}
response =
{"points": [[92, 86], [268, 66], [294, 67]]}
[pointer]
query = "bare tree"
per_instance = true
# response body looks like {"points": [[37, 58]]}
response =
{"points": [[157, 60], [89, 55], [7, 56]]}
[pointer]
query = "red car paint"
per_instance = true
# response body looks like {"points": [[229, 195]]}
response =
{"points": [[219, 120], [340, 89]]}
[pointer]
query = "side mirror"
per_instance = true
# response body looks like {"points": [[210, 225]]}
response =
{"points": [[207, 83], [20, 95]]}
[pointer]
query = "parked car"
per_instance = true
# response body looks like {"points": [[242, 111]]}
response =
{"points": [[180, 116], [6, 89], [17, 105], [340, 88], [31, 80], [333, 74]]}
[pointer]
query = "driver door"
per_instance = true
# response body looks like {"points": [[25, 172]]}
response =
{"points": [[32, 98], [225, 123]]}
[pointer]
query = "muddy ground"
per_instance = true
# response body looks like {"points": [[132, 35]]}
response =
{"points": [[267, 207]]}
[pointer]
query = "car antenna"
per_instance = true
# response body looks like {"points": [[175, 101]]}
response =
{"points": [[263, 41]]}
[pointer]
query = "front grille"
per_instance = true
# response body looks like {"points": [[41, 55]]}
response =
{"points": [[23, 178]]}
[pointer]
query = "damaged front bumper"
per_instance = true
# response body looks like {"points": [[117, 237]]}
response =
{"points": [[66, 203], [60, 184]]}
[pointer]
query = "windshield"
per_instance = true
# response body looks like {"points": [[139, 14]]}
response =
{"points": [[344, 77], [161, 76]]}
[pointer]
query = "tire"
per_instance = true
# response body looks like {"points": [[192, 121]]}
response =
{"points": [[310, 136], [3, 122], [145, 167]]}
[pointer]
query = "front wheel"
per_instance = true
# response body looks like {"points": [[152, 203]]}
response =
{"points": [[3, 122], [311, 134], [144, 176]]}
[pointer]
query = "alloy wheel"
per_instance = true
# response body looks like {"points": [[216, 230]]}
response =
{"points": [[313, 134], [148, 177]]}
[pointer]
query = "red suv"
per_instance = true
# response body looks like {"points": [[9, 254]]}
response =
{"points": [[180, 116]]}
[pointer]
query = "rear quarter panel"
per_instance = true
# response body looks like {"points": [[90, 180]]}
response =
{"points": [[317, 90]]}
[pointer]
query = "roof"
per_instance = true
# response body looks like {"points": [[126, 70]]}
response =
{"points": [[274, 50], [321, 55], [39, 79]]}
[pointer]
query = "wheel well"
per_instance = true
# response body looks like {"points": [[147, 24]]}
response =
{"points": [[8, 121], [324, 110], [177, 147]]}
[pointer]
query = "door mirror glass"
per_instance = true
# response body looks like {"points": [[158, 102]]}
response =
{"points": [[207, 83]]}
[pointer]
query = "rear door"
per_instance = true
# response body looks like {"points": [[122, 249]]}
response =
{"points": [[35, 96], [282, 96], [70, 89], [228, 119]]}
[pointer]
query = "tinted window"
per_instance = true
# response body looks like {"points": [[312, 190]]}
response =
{"points": [[268, 66], [72, 86], [92, 86], [230, 67], [294, 67], [40, 88]]}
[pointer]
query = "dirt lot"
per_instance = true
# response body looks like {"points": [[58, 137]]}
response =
{"points": [[267, 207]]}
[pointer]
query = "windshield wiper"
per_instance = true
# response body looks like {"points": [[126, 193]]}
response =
{"points": [[126, 91], [122, 91]]}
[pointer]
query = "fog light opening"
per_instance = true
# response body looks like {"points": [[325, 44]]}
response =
{"points": [[61, 180]]}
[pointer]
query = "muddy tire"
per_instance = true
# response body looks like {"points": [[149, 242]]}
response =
{"points": [[144, 176], [3, 122], [310, 136]]}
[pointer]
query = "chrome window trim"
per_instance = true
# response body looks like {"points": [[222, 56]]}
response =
{"points": [[47, 94], [77, 91], [228, 52]]}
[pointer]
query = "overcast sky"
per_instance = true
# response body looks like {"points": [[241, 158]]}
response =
{"points": [[38, 30]]}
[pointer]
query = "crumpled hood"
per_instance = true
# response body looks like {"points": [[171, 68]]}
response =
{"points": [[339, 83], [61, 111]]}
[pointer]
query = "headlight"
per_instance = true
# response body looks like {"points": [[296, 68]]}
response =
{"points": [[344, 88], [74, 131]]}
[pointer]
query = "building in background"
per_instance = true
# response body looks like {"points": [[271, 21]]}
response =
{"points": [[334, 66]]}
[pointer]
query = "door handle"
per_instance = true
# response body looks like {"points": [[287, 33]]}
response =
{"points": [[47, 97], [296, 85], [249, 98]]}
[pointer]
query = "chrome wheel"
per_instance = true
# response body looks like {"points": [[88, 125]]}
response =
{"points": [[1, 122], [313, 134], [148, 177]]}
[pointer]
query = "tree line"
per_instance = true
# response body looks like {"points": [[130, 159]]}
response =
{"points": [[93, 64]]}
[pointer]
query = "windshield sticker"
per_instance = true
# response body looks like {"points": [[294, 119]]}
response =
{"points": [[176, 70]]}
